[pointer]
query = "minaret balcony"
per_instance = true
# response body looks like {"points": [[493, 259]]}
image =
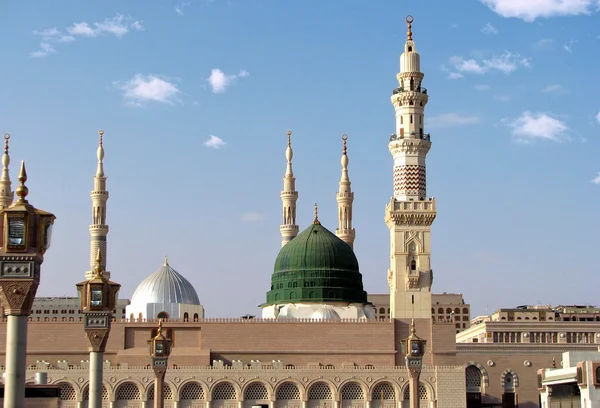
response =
{"points": [[289, 228], [410, 213], [411, 135], [418, 89]]}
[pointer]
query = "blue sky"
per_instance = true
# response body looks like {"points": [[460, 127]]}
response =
{"points": [[513, 114]]}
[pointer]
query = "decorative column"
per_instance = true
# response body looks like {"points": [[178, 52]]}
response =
{"points": [[413, 348], [345, 198], [98, 297], [160, 349], [23, 242], [289, 196]]}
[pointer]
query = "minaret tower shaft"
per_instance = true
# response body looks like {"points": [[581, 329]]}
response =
{"points": [[289, 197], [345, 198], [410, 214], [6, 194], [99, 228]]}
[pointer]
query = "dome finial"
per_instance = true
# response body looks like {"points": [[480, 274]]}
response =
{"points": [[98, 268], [159, 331], [289, 135], [413, 330], [6, 139], [166, 260], [22, 190], [344, 148], [316, 221], [409, 20]]}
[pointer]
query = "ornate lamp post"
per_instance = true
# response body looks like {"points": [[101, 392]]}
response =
{"points": [[160, 348], [98, 297], [414, 349], [25, 237]]}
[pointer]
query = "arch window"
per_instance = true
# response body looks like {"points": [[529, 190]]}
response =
{"points": [[320, 391], [288, 391], [352, 391], [440, 311], [473, 378], [128, 391], [67, 392], [256, 391], [195, 317], [167, 393], [448, 310], [384, 391], [191, 391], [162, 315], [413, 265], [423, 394], [509, 383], [186, 317], [457, 311], [224, 391]]}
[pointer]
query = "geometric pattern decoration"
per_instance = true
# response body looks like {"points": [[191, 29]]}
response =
{"points": [[256, 391], [484, 373], [423, 394], [86, 393], [473, 376], [167, 393], [67, 392], [320, 391], [410, 179], [384, 391], [288, 391], [128, 391], [224, 391], [192, 391], [352, 391]]}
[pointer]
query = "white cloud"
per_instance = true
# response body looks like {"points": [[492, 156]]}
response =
{"points": [[489, 29], [252, 217], [569, 46], [554, 88], [118, 26], [596, 180], [482, 88], [544, 44], [537, 126], [54, 35], [179, 8], [215, 142], [529, 10], [452, 119], [45, 50], [143, 88], [506, 63], [219, 81], [598, 117]]}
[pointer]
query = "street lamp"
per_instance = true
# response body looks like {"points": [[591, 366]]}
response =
{"points": [[98, 297], [160, 349], [413, 348], [25, 234]]}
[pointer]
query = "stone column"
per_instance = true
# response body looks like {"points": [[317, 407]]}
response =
{"points": [[159, 381], [16, 353], [414, 374], [95, 387], [97, 329]]}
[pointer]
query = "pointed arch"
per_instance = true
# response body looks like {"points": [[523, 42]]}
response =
{"points": [[485, 376], [515, 378]]}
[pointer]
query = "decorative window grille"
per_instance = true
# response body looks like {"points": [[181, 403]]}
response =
{"points": [[288, 391], [352, 391], [128, 391], [473, 376], [167, 393], [320, 391], [86, 393], [224, 391], [192, 391], [256, 391], [384, 391], [423, 394], [67, 392]]}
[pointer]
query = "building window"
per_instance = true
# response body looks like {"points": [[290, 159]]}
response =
{"points": [[162, 315], [413, 265], [186, 317]]}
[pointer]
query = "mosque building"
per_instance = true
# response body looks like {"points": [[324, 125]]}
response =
{"points": [[281, 360]]}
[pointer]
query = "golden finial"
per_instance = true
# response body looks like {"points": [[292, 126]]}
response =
{"points": [[98, 268], [316, 221], [413, 330], [6, 139], [22, 190], [166, 260], [101, 133], [409, 20], [159, 333], [289, 135], [344, 138]]}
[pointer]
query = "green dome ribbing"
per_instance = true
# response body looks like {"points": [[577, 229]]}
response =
{"points": [[316, 266]]}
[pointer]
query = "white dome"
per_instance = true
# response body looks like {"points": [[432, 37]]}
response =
{"points": [[165, 286], [325, 312]]}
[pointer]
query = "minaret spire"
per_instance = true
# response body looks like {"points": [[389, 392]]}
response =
{"points": [[345, 198], [289, 196], [6, 194], [99, 228], [410, 213]]}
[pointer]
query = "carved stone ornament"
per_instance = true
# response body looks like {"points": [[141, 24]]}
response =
{"points": [[17, 296], [160, 372], [97, 339], [414, 372], [412, 282]]}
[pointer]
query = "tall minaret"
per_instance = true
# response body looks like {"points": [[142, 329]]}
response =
{"points": [[345, 197], [6, 194], [410, 214], [99, 228], [289, 196]]}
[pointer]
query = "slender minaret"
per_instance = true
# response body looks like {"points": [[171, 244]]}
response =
{"points": [[345, 198], [6, 194], [410, 214], [289, 196], [99, 228]]}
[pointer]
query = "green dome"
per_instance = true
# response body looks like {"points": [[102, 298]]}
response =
{"points": [[316, 266]]}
